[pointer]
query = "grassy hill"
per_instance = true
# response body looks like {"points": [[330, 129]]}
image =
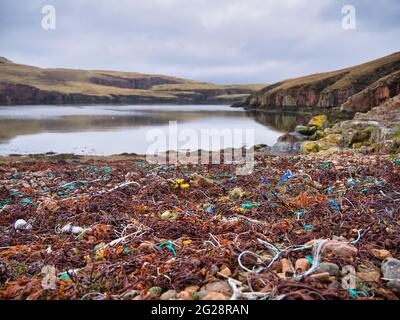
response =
{"points": [[333, 89], [22, 84]]}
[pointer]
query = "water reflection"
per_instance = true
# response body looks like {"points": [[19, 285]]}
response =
{"points": [[286, 121], [33, 119], [107, 130]]}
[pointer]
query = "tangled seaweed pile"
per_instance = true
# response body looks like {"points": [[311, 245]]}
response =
{"points": [[301, 227]]}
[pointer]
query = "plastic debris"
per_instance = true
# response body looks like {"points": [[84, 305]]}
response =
{"points": [[286, 176], [334, 205], [67, 275], [71, 229], [329, 191], [26, 201], [354, 293], [299, 214], [168, 245], [250, 205], [351, 182], [131, 230], [210, 209], [325, 165], [21, 224]]}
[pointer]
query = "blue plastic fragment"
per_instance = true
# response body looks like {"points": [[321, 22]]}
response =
{"points": [[188, 213], [286, 176], [333, 205]]}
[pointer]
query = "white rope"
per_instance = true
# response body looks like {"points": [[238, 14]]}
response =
{"points": [[237, 288], [138, 233], [317, 248], [245, 268], [359, 232], [121, 185]]}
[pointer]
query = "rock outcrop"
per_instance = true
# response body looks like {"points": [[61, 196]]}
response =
{"points": [[375, 94], [375, 130], [356, 89]]}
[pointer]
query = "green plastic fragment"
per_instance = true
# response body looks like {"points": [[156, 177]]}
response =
{"points": [[168, 245], [64, 276], [93, 168], [354, 293], [16, 193], [4, 202], [308, 228], [107, 169], [62, 194], [351, 182], [325, 165], [225, 175], [98, 247], [310, 260], [299, 213], [26, 201], [250, 205]]}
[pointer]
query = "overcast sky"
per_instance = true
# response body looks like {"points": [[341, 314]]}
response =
{"points": [[223, 41]]}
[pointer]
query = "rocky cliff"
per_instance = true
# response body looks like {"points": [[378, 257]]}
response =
{"points": [[21, 84], [375, 94], [358, 88]]}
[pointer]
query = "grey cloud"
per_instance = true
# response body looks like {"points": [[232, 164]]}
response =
{"points": [[226, 41]]}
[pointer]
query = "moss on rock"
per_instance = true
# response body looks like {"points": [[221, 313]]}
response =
{"points": [[330, 141], [320, 121]]}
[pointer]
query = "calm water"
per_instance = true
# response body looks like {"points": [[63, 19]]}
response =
{"points": [[106, 130]]}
